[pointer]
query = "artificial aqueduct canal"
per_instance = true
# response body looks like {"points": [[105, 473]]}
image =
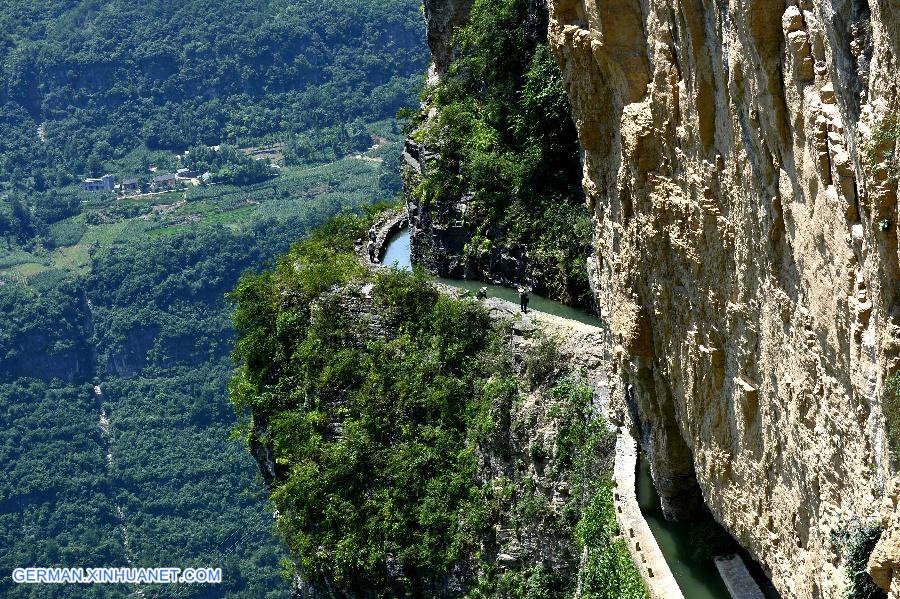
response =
{"points": [[660, 549]]}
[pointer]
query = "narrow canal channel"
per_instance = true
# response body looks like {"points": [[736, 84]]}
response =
{"points": [[698, 578], [397, 254]]}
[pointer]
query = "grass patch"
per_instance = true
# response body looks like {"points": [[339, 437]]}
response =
{"points": [[67, 232], [104, 234], [49, 279], [168, 197], [30, 269], [231, 217], [9, 259], [76, 258]]}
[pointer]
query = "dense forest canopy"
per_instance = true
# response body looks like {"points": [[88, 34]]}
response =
{"points": [[103, 78], [114, 332]]}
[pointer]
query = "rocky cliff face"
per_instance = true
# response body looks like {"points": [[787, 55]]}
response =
{"points": [[441, 18], [53, 346], [440, 233], [746, 257]]}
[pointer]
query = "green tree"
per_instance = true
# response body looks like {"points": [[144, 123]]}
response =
{"points": [[21, 220]]}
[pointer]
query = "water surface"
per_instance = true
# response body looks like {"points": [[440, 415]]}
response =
{"points": [[698, 579], [397, 254]]}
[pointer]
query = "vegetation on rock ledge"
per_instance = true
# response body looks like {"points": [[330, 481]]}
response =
{"points": [[394, 415], [505, 134], [855, 541], [892, 416]]}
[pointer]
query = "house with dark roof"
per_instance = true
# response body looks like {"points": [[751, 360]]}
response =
{"points": [[130, 186], [167, 181]]}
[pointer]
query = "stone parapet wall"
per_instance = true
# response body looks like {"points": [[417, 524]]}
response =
{"points": [[636, 532]]}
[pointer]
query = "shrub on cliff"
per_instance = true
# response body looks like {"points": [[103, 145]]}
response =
{"points": [[607, 571], [892, 416], [881, 152], [855, 542], [505, 133]]}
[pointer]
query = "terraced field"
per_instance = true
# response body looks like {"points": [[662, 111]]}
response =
{"points": [[111, 223]]}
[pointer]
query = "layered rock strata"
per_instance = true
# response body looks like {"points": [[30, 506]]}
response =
{"points": [[744, 198]]}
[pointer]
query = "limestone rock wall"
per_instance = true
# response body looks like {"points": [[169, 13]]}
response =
{"points": [[884, 563], [442, 17], [746, 253]]}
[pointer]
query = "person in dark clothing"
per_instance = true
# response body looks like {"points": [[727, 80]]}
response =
{"points": [[523, 299], [371, 251], [482, 294]]}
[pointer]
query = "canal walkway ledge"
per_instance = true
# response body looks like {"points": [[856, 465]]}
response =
{"points": [[642, 545]]}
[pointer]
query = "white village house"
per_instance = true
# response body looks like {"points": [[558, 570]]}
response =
{"points": [[104, 183]]}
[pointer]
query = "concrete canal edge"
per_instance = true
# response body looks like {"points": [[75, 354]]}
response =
{"points": [[738, 581], [645, 551], [385, 227]]}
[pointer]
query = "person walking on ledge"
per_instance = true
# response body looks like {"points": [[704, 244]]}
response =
{"points": [[523, 299]]}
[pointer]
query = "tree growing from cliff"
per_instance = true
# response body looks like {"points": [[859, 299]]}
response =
{"points": [[892, 416], [882, 148]]}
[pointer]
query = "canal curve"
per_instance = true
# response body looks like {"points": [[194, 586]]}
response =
{"points": [[397, 254]]}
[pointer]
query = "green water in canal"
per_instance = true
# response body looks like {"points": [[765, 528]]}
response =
{"points": [[698, 580], [397, 254]]}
